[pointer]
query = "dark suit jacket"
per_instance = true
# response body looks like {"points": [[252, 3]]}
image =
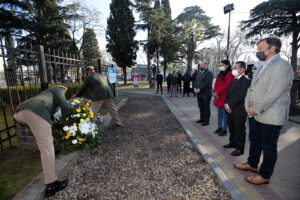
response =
{"points": [[235, 95], [99, 86], [204, 81], [46, 103]]}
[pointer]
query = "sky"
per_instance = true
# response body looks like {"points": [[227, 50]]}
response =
{"points": [[212, 8]]}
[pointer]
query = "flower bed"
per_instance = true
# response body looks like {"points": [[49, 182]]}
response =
{"points": [[78, 130]]}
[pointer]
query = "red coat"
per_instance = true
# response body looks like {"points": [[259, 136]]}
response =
{"points": [[221, 86]]}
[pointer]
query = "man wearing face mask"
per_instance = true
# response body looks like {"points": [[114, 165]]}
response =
{"points": [[203, 89], [234, 105], [267, 104]]}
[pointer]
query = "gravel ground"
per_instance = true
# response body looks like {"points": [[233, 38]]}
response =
{"points": [[150, 157]]}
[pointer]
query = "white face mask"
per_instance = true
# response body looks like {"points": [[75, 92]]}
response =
{"points": [[235, 72], [222, 68]]}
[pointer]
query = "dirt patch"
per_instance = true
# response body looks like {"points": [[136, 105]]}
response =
{"points": [[150, 157]]}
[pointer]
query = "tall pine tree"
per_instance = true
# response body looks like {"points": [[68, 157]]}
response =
{"points": [[120, 35], [90, 48]]}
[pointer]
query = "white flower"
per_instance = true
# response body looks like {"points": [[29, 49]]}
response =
{"points": [[66, 128], [74, 141], [73, 130], [85, 127], [81, 120], [73, 103], [94, 129]]}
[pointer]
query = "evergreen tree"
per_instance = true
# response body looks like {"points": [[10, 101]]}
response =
{"points": [[37, 22], [90, 48], [120, 35], [170, 43], [194, 28], [145, 10]]}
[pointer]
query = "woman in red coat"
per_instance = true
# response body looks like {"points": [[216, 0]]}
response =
{"points": [[221, 85]]}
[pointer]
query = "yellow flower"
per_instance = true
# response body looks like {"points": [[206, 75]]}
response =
{"points": [[84, 108], [68, 135], [74, 124], [78, 110], [79, 127], [87, 104], [81, 139], [89, 116], [91, 113]]}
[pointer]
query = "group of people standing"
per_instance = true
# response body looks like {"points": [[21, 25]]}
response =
{"points": [[265, 100]]}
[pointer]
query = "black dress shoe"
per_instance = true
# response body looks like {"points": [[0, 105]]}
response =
{"points": [[200, 121], [237, 152], [205, 123], [218, 130], [222, 133], [229, 145], [54, 187]]}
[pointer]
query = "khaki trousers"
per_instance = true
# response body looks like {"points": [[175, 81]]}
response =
{"points": [[110, 105], [42, 132]]}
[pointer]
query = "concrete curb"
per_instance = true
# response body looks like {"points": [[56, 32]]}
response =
{"points": [[231, 188], [35, 189]]}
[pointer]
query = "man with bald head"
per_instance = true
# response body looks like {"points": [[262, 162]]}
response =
{"points": [[203, 89]]}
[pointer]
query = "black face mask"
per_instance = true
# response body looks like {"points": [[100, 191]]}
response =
{"points": [[261, 56]]}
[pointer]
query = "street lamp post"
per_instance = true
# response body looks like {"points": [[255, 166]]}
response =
{"points": [[227, 9]]}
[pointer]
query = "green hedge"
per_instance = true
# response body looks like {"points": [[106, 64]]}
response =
{"points": [[72, 88]]}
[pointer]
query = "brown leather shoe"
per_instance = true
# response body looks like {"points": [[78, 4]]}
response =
{"points": [[256, 179], [245, 167]]}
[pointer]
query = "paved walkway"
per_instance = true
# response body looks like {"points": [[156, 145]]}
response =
{"points": [[285, 182]]}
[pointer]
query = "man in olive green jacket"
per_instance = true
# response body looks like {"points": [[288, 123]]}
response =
{"points": [[36, 112], [101, 93]]}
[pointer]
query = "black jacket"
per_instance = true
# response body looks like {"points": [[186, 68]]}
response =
{"points": [[159, 78], [204, 81], [235, 95], [186, 78]]}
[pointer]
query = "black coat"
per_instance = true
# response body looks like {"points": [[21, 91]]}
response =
{"points": [[235, 95], [159, 78]]}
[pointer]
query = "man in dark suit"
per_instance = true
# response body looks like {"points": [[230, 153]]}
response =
{"points": [[234, 105], [186, 83], [193, 80], [101, 93], [37, 112], [159, 80], [203, 89]]}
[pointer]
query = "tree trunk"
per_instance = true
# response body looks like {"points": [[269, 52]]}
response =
{"points": [[151, 84], [165, 70], [294, 89], [125, 75]]}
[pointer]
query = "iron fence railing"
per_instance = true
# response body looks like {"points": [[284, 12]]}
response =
{"points": [[29, 70]]}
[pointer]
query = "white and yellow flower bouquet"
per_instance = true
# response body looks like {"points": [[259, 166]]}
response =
{"points": [[78, 130]]}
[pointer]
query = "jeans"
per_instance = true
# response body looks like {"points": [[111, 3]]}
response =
{"points": [[263, 138], [222, 118], [204, 106]]}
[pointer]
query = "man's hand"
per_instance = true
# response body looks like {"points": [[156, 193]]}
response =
{"points": [[249, 111], [196, 90], [216, 95], [73, 96]]}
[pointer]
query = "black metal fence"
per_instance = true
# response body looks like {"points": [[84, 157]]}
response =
{"points": [[29, 70]]}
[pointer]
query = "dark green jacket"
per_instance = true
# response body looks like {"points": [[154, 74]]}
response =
{"points": [[99, 86], [46, 103]]}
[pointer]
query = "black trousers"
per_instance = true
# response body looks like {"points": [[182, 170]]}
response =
{"points": [[204, 106], [168, 87], [159, 85], [179, 85], [186, 88], [263, 138], [237, 130]]}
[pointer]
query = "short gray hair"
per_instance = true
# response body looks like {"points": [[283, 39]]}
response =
{"points": [[272, 41]]}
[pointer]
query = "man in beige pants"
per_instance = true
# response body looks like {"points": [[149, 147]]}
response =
{"points": [[36, 112], [101, 93]]}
